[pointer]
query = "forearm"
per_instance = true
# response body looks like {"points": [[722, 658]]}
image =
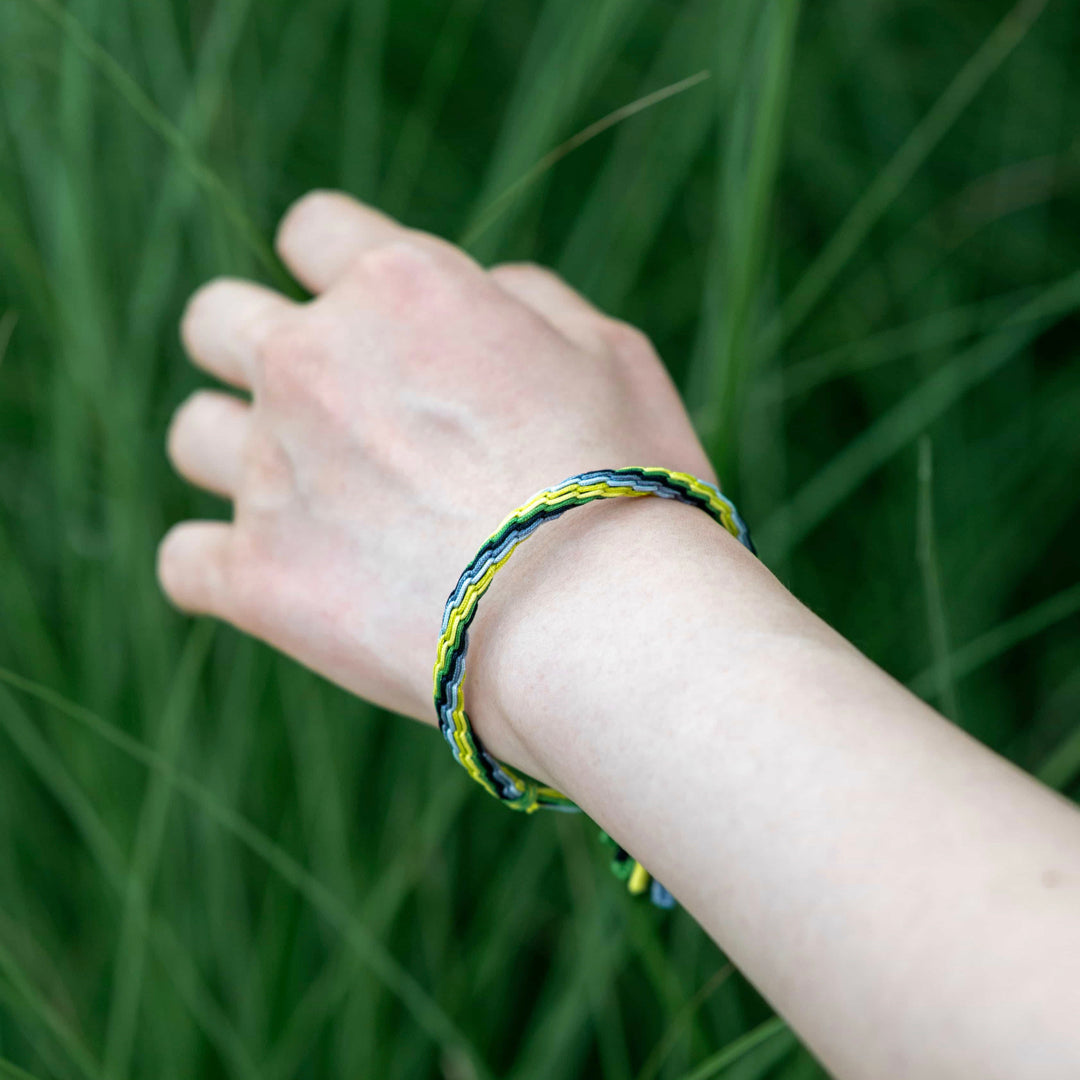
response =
{"points": [[905, 897], [859, 858]]}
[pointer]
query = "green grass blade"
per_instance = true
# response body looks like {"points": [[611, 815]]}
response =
{"points": [[322, 1000], [571, 46], [308, 34], [201, 1003], [107, 856], [678, 1024], [600, 987], [104, 230], [12, 1072], [1062, 766], [774, 1030], [34, 748], [556, 1039], [135, 97], [154, 33], [933, 593], [650, 162], [891, 181], [820, 495], [18, 250], [801, 376], [487, 217], [8, 322], [362, 98], [998, 641], [750, 159], [149, 837], [159, 256], [427, 1013], [37, 1007], [417, 132], [25, 629]]}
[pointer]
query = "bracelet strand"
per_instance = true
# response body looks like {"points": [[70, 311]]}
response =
{"points": [[510, 786]]}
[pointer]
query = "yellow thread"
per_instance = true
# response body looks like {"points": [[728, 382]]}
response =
{"points": [[461, 732], [639, 879]]}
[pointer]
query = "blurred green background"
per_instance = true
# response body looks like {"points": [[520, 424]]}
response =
{"points": [[856, 245]]}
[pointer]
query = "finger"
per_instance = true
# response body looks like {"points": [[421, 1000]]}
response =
{"points": [[193, 566], [323, 234], [206, 440], [226, 323], [548, 295]]}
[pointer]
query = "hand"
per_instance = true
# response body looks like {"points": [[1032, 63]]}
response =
{"points": [[394, 421]]}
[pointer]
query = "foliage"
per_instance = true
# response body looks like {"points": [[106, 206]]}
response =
{"points": [[856, 246]]}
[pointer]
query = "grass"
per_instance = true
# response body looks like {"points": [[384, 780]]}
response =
{"points": [[215, 864]]}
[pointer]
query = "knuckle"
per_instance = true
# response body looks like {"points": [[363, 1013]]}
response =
{"points": [[524, 273], [254, 572], [398, 258], [288, 358], [297, 372], [627, 341], [405, 272], [267, 469], [519, 268], [525, 268], [257, 325]]}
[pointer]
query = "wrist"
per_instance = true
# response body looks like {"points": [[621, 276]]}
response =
{"points": [[588, 617]]}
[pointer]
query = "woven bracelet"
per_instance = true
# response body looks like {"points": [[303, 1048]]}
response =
{"points": [[515, 789]]}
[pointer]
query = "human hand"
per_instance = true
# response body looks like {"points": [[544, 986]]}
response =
{"points": [[394, 421]]}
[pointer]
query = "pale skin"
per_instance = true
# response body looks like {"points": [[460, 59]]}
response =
{"points": [[906, 899]]}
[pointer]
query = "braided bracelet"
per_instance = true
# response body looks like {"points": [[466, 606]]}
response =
{"points": [[515, 789]]}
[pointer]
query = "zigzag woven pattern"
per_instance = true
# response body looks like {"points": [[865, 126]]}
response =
{"points": [[517, 790]]}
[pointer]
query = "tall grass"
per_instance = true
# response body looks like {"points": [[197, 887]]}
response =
{"points": [[855, 243]]}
